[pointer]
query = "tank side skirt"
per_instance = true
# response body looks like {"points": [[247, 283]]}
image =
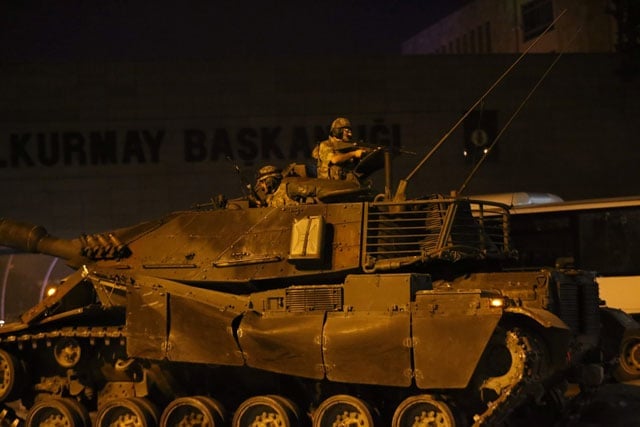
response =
{"points": [[287, 344], [449, 337], [166, 319]]}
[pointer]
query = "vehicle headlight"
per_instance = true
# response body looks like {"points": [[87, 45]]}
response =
{"points": [[498, 302]]}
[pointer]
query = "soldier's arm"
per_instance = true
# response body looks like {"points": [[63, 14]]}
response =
{"points": [[338, 157]]}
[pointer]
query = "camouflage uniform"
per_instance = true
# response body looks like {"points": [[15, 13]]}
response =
{"points": [[281, 198], [325, 151]]}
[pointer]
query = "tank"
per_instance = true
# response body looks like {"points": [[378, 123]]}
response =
{"points": [[341, 308]]}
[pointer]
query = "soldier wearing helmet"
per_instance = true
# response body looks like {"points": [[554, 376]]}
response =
{"points": [[337, 155], [268, 181]]}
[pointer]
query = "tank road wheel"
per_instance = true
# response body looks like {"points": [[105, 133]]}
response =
{"points": [[343, 410], [67, 352], [11, 376], [628, 367], [57, 413], [423, 411], [292, 408], [196, 411], [127, 412], [270, 410]]}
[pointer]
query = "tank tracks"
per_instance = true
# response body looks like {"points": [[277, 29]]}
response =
{"points": [[518, 382], [522, 381], [89, 332], [65, 352]]}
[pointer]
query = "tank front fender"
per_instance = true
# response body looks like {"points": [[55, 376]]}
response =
{"points": [[553, 330], [450, 331], [543, 317]]}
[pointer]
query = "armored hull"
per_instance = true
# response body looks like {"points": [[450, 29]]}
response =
{"points": [[375, 313]]}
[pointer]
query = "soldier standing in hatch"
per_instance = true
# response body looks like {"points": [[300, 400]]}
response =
{"points": [[270, 190], [268, 181], [337, 155]]}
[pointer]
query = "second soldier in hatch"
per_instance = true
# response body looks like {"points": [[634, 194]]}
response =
{"points": [[270, 190], [268, 181], [338, 155]]}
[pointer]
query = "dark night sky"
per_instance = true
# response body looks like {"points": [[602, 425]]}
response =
{"points": [[162, 29]]}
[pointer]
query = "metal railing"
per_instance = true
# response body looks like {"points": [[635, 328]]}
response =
{"points": [[401, 233]]}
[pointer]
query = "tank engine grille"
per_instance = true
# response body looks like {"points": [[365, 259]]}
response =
{"points": [[312, 298], [435, 228]]}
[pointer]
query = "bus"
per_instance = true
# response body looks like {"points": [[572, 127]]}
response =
{"points": [[601, 235]]}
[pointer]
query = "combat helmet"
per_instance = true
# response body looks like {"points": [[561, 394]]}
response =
{"points": [[337, 125], [269, 171], [270, 177]]}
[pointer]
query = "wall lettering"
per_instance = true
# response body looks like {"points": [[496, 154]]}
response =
{"points": [[249, 145], [81, 149]]}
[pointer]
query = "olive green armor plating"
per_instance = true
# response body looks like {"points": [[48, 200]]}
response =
{"points": [[375, 312]]}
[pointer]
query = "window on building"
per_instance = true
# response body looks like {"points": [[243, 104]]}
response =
{"points": [[481, 48], [487, 39], [472, 42], [536, 16]]}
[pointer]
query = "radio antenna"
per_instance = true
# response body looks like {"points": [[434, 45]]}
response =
{"points": [[245, 187], [515, 113], [402, 185]]}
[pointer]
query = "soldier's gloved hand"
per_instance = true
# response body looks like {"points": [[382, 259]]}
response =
{"points": [[359, 152]]}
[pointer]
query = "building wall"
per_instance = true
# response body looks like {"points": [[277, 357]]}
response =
{"points": [[489, 26], [87, 147]]}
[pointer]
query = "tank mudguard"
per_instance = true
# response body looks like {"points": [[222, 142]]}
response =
{"points": [[450, 332], [368, 347], [358, 332], [146, 323], [284, 343], [545, 318], [369, 342], [168, 320], [553, 330], [200, 332]]}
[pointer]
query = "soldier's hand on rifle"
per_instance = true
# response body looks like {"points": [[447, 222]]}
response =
{"points": [[360, 152]]}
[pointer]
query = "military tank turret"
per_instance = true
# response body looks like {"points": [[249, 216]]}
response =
{"points": [[336, 309]]}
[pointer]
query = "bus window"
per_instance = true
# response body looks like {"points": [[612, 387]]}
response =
{"points": [[609, 241], [541, 240]]}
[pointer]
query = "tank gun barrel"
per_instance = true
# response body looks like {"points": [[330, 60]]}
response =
{"points": [[28, 237]]}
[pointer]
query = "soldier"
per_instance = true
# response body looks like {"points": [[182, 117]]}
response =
{"points": [[337, 155], [270, 190], [268, 181]]}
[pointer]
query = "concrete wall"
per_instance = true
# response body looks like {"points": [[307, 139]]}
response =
{"points": [[489, 26], [86, 147]]}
